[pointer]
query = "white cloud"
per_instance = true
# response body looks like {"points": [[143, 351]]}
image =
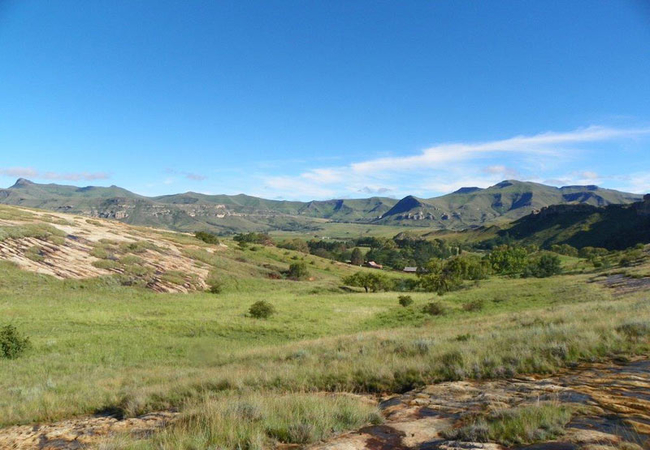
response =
{"points": [[28, 172], [548, 144], [374, 190], [637, 183], [502, 171], [324, 175], [447, 167]]}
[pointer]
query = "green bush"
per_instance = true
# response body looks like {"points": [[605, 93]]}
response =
{"points": [[208, 238], [261, 310], [405, 300], [12, 343], [106, 264], [298, 271], [546, 265], [173, 277], [433, 309], [35, 253], [216, 287], [634, 330], [475, 305]]}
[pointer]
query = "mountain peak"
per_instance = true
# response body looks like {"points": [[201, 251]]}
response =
{"points": [[22, 182], [467, 190]]}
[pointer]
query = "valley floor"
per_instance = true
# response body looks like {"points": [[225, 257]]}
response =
{"points": [[110, 362]]}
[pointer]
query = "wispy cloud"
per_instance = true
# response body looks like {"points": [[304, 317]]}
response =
{"points": [[446, 167], [187, 175], [547, 144], [28, 172]]}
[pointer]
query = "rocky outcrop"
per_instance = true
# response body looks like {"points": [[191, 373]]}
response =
{"points": [[72, 255], [614, 396]]}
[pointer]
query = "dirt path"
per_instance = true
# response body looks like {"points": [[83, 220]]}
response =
{"points": [[618, 394]]}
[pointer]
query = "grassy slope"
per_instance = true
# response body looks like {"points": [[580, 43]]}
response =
{"points": [[99, 345], [614, 227]]}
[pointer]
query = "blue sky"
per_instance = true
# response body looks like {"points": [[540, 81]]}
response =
{"points": [[308, 99]]}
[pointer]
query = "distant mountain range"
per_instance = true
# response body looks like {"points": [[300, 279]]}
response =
{"points": [[466, 208]]}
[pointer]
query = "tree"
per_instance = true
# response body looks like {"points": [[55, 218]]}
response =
{"points": [[295, 244], [545, 266], [508, 260], [439, 282], [298, 271], [356, 258], [369, 281]]}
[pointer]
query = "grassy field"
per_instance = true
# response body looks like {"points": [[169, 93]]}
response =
{"points": [[98, 346], [240, 382]]}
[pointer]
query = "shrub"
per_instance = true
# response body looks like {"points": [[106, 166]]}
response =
{"points": [[298, 271], [35, 253], [208, 238], [475, 305], [215, 286], [634, 330], [173, 277], [106, 264], [405, 300], [261, 310], [12, 343], [433, 309], [625, 261]]}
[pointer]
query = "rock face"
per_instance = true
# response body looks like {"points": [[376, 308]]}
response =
{"points": [[80, 433], [73, 256]]}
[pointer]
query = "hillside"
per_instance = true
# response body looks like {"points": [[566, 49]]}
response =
{"points": [[505, 201], [66, 246], [613, 227], [465, 208]]}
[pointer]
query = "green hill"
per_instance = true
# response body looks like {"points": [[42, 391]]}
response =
{"points": [[191, 211], [505, 201], [613, 227]]}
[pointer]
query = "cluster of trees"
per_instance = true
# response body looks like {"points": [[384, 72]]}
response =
{"points": [[447, 275], [400, 252], [208, 238], [395, 253], [444, 275], [253, 238]]}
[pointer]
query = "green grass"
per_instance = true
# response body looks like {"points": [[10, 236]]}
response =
{"points": [[100, 346], [111, 346], [32, 230], [255, 421], [517, 426]]}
